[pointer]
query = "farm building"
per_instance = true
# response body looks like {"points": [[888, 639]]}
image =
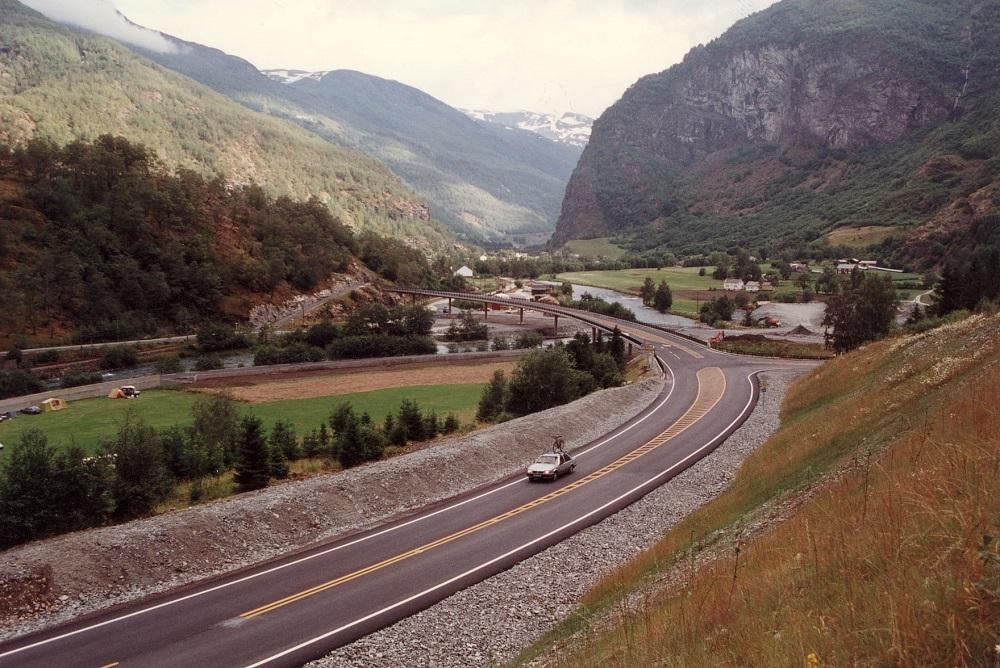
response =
{"points": [[464, 272], [752, 286], [733, 284]]}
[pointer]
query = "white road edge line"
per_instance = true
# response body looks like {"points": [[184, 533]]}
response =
{"points": [[615, 434], [509, 553]]}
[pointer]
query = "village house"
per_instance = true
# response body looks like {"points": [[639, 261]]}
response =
{"points": [[464, 272], [733, 284], [752, 286], [846, 267]]}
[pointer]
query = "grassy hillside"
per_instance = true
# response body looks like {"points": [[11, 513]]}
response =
{"points": [[862, 533], [61, 84]]}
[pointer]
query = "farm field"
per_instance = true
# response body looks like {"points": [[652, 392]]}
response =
{"points": [[87, 421], [602, 247]]}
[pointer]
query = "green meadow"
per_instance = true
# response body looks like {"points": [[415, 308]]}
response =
{"points": [[88, 421]]}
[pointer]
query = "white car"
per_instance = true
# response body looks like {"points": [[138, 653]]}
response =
{"points": [[550, 466]]}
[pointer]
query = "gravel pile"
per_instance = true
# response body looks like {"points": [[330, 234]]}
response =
{"points": [[494, 620], [50, 581]]}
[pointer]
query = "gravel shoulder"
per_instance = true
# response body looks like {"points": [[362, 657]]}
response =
{"points": [[51, 581], [491, 622]]}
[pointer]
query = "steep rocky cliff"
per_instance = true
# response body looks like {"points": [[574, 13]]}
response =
{"points": [[781, 127]]}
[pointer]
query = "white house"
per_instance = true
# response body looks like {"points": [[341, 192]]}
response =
{"points": [[733, 284], [464, 272], [484, 257], [846, 267], [752, 286]]}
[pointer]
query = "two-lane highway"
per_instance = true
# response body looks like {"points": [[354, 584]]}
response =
{"points": [[290, 610]]}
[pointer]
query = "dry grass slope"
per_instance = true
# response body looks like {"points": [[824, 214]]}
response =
{"points": [[894, 561]]}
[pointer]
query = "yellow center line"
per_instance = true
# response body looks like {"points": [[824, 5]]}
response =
{"points": [[711, 387], [110, 665]]}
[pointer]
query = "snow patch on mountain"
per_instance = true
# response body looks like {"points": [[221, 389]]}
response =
{"points": [[291, 76], [566, 127]]}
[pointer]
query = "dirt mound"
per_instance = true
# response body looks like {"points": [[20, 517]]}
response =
{"points": [[802, 330]]}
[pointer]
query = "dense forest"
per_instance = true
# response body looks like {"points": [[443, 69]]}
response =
{"points": [[102, 240]]}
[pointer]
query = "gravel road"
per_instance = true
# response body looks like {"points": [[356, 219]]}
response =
{"points": [[491, 622]]}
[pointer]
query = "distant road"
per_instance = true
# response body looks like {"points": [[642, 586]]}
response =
{"points": [[291, 609], [107, 344]]}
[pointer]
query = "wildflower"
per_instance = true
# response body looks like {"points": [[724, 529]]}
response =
{"points": [[812, 660]]}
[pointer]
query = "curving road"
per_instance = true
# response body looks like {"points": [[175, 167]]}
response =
{"points": [[299, 607]]}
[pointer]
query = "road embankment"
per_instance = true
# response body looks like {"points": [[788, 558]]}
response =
{"points": [[61, 578], [491, 622]]}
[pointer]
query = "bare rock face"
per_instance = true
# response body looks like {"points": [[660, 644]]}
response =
{"points": [[767, 82]]}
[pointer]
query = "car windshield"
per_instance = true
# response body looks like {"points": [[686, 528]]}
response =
{"points": [[547, 459]]}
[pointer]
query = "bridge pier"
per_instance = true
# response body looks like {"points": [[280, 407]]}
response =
{"points": [[413, 298], [449, 305], [522, 316], [486, 310], [556, 329], [593, 335], [630, 349]]}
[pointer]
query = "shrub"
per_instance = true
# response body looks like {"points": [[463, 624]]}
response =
{"points": [[78, 378], [119, 357], [168, 365], [208, 363], [375, 345], [19, 382]]}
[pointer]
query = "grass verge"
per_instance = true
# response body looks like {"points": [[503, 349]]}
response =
{"points": [[894, 561], [775, 348]]}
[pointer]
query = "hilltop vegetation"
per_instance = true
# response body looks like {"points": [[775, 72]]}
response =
{"points": [[59, 84], [862, 533], [103, 240], [889, 123]]}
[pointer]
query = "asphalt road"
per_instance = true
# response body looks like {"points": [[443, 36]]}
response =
{"points": [[299, 607]]}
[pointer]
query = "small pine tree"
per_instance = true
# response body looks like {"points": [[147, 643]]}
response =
{"points": [[253, 466], [492, 402], [388, 424], [310, 444], [412, 420], [431, 425], [277, 463], [283, 439], [451, 424], [323, 439]]}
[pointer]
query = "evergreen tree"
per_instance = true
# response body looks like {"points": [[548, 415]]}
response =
{"points": [[323, 439], [431, 425], [451, 424], [253, 465], [861, 314], [494, 396], [310, 444], [141, 478], [647, 291], [84, 489], [283, 439], [411, 420], [664, 298], [277, 463], [616, 347], [28, 502]]}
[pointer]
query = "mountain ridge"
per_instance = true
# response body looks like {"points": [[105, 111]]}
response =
{"points": [[565, 127]]}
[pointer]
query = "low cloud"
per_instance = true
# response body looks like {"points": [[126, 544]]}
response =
{"points": [[100, 16]]}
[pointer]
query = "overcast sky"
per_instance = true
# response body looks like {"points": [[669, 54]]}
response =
{"points": [[541, 55]]}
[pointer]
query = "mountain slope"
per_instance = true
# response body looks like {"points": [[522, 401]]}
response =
{"points": [[566, 128], [484, 181], [803, 118], [61, 84]]}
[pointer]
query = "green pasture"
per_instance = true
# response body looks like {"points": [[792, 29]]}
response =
{"points": [[87, 421], [595, 248]]}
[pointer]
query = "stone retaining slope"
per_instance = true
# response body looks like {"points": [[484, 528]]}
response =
{"points": [[60, 578]]}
